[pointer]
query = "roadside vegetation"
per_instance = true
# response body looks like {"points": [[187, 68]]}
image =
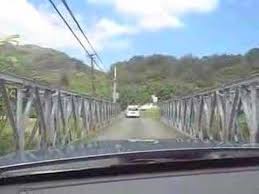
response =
{"points": [[153, 113], [51, 67], [167, 76]]}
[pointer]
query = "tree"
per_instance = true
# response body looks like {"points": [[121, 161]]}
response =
{"points": [[64, 80]]}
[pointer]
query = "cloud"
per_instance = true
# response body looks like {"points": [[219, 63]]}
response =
{"points": [[158, 14], [34, 26], [107, 32], [153, 23], [40, 25], [111, 28]]}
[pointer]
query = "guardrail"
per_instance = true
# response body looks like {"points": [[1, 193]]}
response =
{"points": [[226, 114], [40, 117]]}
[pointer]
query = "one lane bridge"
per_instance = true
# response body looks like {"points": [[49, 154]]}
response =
{"points": [[39, 117]]}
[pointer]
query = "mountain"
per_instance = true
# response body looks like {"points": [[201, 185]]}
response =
{"points": [[138, 78], [51, 66], [167, 76]]}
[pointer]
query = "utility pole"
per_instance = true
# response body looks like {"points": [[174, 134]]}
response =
{"points": [[114, 93], [93, 75]]}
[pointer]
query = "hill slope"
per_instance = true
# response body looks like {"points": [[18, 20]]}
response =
{"points": [[164, 76], [51, 66], [138, 78]]}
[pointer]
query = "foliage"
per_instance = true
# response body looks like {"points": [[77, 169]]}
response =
{"points": [[51, 67], [153, 113], [138, 78], [167, 76], [64, 80]]}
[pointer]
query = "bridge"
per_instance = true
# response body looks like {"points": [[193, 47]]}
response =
{"points": [[228, 114], [41, 117], [56, 117]]}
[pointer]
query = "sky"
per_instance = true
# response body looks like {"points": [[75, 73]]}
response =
{"points": [[120, 29]]}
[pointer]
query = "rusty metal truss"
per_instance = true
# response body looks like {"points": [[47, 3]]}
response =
{"points": [[226, 114], [43, 117]]}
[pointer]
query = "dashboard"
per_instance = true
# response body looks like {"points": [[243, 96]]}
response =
{"points": [[235, 181], [215, 170]]}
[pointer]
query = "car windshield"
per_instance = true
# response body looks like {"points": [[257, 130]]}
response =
{"points": [[99, 77]]}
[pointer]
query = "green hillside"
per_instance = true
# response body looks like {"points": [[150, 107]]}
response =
{"points": [[51, 66], [166, 76], [138, 78]]}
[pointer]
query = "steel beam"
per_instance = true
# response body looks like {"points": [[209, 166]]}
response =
{"points": [[50, 117], [222, 114]]}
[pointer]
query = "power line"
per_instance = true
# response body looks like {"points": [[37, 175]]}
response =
{"points": [[91, 56], [82, 45], [74, 34], [81, 30], [69, 27]]}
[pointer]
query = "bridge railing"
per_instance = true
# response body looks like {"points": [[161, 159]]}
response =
{"points": [[35, 116], [226, 114]]}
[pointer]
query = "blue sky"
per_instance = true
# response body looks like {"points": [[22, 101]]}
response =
{"points": [[120, 29]]}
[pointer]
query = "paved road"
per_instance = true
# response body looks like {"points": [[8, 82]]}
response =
{"points": [[138, 128]]}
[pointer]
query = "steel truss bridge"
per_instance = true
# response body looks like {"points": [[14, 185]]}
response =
{"points": [[227, 114], [41, 117], [34, 116]]}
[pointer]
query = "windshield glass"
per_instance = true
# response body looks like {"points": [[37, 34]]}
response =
{"points": [[96, 77]]}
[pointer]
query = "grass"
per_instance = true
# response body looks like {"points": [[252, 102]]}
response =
{"points": [[6, 140], [153, 113], [7, 144]]}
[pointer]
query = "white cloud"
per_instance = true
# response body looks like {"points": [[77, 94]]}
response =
{"points": [[109, 33], [40, 25], [111, 28], [157, 14], [154, 23], [34, 26]]}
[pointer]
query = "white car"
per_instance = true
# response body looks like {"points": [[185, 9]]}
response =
{"points": [[132, 111]]}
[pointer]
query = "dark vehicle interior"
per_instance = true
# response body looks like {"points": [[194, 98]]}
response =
{"points": [[199, 170]]}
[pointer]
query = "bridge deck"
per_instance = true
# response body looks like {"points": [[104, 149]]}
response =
{"points": [[138, 128]]}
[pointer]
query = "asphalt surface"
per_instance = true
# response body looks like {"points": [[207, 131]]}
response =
{"points": [[124, 135], [138, 128]]}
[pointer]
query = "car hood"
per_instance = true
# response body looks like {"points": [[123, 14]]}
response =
{"points": [[97, 148]]}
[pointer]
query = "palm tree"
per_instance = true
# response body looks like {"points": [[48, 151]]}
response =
{"points": [[13, 39]]}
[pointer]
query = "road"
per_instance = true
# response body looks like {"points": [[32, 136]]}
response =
{"points": [[138, 128]]}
